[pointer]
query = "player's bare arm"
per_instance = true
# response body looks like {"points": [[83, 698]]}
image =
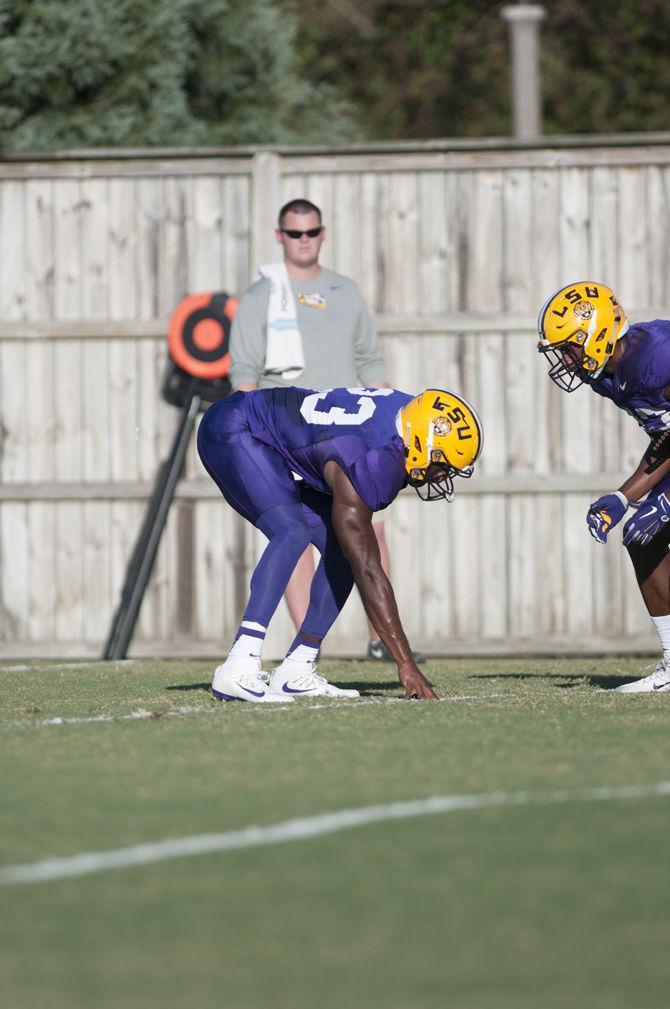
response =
{"points": [[352, 521], [649, 472]]}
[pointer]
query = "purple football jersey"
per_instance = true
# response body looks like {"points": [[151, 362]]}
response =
{"points": [[642, 376], [354, 427]]}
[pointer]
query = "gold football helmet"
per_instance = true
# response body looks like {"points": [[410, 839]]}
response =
{"points": [[578, 328], [443, 439]]}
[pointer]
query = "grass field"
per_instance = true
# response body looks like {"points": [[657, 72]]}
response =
{"points": [[537, 891]]}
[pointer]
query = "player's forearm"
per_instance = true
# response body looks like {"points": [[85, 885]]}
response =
{"points": [[645, 478], [359, 544], [381, 608]]}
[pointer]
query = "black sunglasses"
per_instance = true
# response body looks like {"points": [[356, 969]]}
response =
{"points": [[311, 232]]}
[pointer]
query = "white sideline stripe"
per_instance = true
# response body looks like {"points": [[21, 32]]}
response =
{"points": [[299, 830]]}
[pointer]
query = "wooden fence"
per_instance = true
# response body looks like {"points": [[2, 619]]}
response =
{"points": [[455, 248]]}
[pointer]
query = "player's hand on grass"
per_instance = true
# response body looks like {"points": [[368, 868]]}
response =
{"points": [[416, 685], [604, 514]]}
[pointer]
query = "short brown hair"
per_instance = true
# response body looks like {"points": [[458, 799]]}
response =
{"points": [[297, 207]]}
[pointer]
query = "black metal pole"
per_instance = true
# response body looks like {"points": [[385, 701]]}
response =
{"points": [[148, 540]]}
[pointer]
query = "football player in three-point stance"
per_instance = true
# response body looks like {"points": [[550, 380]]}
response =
{"points": [[352, 450], [586, 338]]}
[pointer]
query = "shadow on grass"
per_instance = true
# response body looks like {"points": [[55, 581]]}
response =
{"points": [[190, 686], [368, 688]]}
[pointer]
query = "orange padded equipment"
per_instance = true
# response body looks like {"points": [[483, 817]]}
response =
{"points": [[199, 334]]}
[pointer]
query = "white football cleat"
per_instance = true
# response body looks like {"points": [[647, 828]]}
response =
{"points": [[300, 679], [240, 679], [657, 682]]}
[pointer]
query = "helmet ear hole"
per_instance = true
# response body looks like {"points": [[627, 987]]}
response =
{"points": [[417, 443]]}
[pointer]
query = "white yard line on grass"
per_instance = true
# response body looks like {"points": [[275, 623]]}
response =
{"points": [[143, 714], [139, 715], [81, 664], [87, 863]]}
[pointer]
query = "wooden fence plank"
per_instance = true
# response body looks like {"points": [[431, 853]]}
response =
{"points": [[42, 583], [343, 235], [369, 247], [604, 226], [433, 247], [525, 544], [123, 249], [13, 440], [493, 582], [14, 587], [634, 249], [658, 204], [516, 265], [150, 225], [39, 249], [12, 251], [485, 243], [98, 264], [67, 263], [490, 401], [96, 551], [237, 269]]}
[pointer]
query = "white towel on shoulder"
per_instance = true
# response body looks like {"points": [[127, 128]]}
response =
{"points": [[283, 352]]}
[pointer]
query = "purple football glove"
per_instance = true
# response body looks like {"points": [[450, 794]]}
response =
{"points": [[604, 514], [648, 520]]}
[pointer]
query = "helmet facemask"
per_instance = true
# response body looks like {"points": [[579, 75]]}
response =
{"points": [[437, 480], [566, 365]]}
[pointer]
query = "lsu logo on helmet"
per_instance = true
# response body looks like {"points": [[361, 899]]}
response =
{"points": [[443, 438], [578, 329]]}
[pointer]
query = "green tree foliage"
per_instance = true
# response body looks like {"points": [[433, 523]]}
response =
{"points": [[606, 66], [435, 68], [77, 73], [413, 68], [207, 72]]}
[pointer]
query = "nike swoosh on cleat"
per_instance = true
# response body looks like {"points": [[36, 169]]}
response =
{"points": [[291, 690], [256, 693], [660, 685]]}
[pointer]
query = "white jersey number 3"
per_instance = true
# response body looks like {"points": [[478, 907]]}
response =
{"points": [[339, 414]]}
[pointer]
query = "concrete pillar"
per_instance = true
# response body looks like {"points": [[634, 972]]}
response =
{"points": [[523, 20]]}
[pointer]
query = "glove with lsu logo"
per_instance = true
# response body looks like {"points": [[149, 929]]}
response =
{"points": [[647, 521], [604, 514]]}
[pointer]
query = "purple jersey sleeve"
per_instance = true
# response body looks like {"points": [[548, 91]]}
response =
{"points": [[642, 376], [379, 475]]}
